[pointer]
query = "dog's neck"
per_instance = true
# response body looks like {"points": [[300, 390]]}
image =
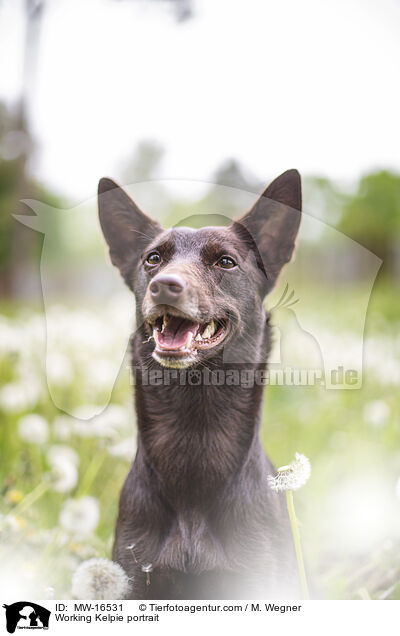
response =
{"points": [[197, 437]]}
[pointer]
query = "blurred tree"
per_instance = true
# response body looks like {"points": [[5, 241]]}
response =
{"points": [[323, 199], [9, 176], [222, 203], [231, 173], [18, 244], [372, 216], [144, 163], [14, 149], [232, 199]]}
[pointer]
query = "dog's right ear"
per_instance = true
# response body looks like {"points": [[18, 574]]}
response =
{"points": [[126, 228]]}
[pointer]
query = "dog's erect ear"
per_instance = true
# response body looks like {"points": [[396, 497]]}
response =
{"points": [[273, 223], [126, 228]]}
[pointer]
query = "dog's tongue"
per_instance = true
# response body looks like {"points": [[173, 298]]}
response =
{"points": [[177, 333]]}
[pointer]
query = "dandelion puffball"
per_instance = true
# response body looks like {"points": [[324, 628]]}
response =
{"points": [[62, 452], [100, 579], [291, 477], [80, 516], [63, 476], [33, 428]]}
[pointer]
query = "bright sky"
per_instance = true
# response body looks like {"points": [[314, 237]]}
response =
{"points": [[310, 84]]}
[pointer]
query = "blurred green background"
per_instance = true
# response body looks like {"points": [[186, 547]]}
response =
{"points": [[58, 278]]}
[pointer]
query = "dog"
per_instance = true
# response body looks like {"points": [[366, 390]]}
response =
{"points": [[197, 518]]}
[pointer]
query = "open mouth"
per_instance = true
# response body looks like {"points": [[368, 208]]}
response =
{"points": [[176, 336]]}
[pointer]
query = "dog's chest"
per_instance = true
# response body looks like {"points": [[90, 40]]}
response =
{"points": [[196, 440], [191, 546]]}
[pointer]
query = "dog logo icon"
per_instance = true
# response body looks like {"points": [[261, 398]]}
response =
{"points": [[26, 615]]}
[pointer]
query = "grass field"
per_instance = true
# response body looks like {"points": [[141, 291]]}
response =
{"points": [[349, 511]]}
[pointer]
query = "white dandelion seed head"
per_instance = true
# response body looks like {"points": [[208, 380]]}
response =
{"points": [[33, 428], [17, 397], [291, 477], [80, 516], [11, 522], [10, 337], [125, 449], [100, 579], [60, 452], [63, 475], [12, 398], [117, 416]]}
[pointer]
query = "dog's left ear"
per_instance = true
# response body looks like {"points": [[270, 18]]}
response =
{"points": [[273, 223], [126, 228]]}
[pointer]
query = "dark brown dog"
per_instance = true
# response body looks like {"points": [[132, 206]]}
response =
{"points": [[196, 503]]}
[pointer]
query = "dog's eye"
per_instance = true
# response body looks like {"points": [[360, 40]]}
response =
{"points": [[153, 259], [226, 262]]}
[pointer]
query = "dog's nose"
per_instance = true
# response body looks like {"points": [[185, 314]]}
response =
{"points": [[167, 287]]}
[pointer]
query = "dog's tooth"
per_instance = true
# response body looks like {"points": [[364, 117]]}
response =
{"points": [[198, 337], [165, 321], [209, 330], [189, 339]]}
